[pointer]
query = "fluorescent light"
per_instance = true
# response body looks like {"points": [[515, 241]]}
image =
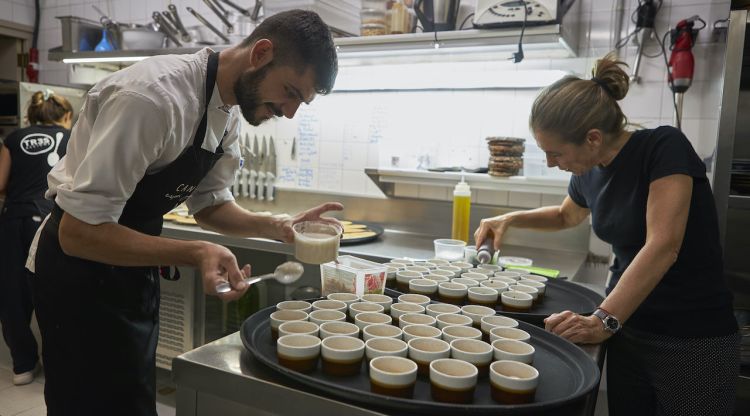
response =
{"points": [[104, 59], [437, 76]]}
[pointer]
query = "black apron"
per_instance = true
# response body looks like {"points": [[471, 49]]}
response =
{"points": [[99, 323]]}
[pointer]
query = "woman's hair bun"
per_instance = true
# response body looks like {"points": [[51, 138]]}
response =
{"points": [[608, 71]]}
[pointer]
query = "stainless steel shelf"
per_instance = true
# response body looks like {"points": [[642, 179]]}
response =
{"points": [[386, 179], [549, 41], [57, 54]]}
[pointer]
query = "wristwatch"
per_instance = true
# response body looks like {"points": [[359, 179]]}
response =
{"points": [[611, 323]]}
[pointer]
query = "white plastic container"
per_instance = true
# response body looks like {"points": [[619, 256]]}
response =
{"points": [[352, 275]]}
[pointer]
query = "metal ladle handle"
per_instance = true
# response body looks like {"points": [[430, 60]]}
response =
{"points": [[225, 287]]}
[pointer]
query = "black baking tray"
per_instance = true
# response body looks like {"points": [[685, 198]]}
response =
{"points": [[378, 230], [560, 295], [567, 374]]}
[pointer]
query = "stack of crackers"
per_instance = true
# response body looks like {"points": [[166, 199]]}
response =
{"points": [[506, 155]]}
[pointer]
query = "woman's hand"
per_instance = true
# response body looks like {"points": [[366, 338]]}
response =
{"points": [[494, 227], [577, 328], [312, 214]]}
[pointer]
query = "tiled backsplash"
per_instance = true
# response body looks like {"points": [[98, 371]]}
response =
{"points": [[340, 134]]}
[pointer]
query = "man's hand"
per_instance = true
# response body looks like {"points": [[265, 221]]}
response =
{"points": [[217, 264], [312, 214], [577, 328]]}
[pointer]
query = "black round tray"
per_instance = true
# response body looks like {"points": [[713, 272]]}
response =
{"points": [[567, 374], [378, 230], [560, 295]]}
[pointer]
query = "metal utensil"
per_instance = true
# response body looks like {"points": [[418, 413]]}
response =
{"points": [[220, 7], [270, 169], [221, 14], [285, 273], [208, 24], [233, 5], [254, 166], [245, 171], [260, 193], [237, 184], [256, 10], [184, 35], [166, 28]]}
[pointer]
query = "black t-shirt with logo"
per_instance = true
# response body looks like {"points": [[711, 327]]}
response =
{"points": [[692, 299], [30, 154]]}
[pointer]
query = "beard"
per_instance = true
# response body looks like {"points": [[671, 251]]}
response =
{"points": [[247, 93]]}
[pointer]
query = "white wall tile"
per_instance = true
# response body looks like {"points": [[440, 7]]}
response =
{"points": [[495, 198], [6, 9], [23, 14], [331, 179], [524, 200], [643, 100], [703, 134]]}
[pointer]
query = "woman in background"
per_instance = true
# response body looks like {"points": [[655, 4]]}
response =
{"points": [[26, 156], [673, 344]]}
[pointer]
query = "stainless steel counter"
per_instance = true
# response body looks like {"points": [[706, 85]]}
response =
{"points": [[222, 378], [392, 244]]}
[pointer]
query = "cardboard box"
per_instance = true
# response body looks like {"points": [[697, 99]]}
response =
{"points": [[352, 275]]}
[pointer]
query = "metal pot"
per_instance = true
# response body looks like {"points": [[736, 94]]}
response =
{"points": [[138, 37]]}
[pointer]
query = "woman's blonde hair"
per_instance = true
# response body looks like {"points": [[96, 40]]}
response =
{"points": [[47, 108], [572, 106]]}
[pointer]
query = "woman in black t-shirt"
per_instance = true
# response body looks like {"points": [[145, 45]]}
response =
{"points": [[673, 344], [26, 156]]}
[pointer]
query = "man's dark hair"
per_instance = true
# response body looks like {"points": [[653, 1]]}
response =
{"points": [[301, 39]]}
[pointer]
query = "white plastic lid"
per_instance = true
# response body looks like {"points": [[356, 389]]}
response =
{"points": [[506, 261], [462, 189]]}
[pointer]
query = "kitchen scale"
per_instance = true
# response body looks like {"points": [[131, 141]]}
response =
{"points": [[510, 13]]}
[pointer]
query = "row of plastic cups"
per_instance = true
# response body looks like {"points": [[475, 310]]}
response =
{"points": [[393, 374], [377, 325], [407, 304], [453, 380], [464, 346], [481, 292], [486, 269], [414, 272]]}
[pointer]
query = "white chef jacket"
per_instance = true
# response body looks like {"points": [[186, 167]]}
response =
{"points": [[136, 122]]}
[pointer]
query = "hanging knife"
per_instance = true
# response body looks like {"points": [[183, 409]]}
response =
{"points": [[270, 169], [166, 28], [220, 13], [254, 168], [237, 185], [233, 5], [184, 35], [262, 172], [245, 171], [208, 24]]}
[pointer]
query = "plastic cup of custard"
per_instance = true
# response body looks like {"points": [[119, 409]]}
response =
{"points": [[316, 242]]}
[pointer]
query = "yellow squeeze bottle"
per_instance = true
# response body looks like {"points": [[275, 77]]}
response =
{"points": [[461, 211]]}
